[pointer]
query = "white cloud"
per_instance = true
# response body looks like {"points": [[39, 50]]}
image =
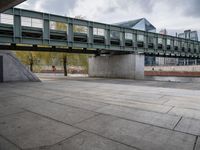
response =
{"points": [[170, 14]]}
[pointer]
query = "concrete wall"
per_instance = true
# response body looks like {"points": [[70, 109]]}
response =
{"points": [[128, 66], [13, 70]]}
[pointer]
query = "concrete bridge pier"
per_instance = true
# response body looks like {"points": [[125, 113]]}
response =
{"points": [[11, 69], [129, 66]]}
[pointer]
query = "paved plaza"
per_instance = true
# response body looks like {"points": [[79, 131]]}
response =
{"points": [[99, 114]]}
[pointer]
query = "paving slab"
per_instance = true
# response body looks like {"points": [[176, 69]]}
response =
{"points": [[24, 101], [8, 110], [28, 130], [127, 103], [5, 145], [7, 94], [87, 141], [183, 104], [81, 103], [63, 113], [188, 125], [188, 113], [187, 98], [143, 97], [141, 136], [139, 105], [198, 144], [153, 118], [39, 93]]}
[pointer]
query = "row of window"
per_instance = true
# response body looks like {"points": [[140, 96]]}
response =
{"points": [[38, 23]]}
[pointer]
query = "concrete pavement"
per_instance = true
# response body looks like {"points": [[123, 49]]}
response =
{"points": [[99, 114]]}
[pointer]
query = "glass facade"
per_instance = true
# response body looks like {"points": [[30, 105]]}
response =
{"points": [[144, 25], [188, 34]]}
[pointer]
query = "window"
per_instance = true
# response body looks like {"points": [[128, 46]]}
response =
{"points": [[31, 22], [160, 41], [60, 26], [175, 43], [98, 31], [114, 34], [168, 42], [6, 19], [80, 29], [140, 37], [150, 39], [128, 36]]}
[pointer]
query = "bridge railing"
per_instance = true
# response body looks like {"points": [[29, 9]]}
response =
{"points": [[18, 26]]}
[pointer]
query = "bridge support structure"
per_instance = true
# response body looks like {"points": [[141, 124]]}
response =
{"points": [[127, 66], [11, 69]]}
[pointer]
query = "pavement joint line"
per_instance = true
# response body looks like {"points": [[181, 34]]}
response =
{"points": [[36, 98], [48, 146], [100, 113], [177, 123], [47, 117], [163, 103], [195, 143], [172, 107], [59, 103], [84, 129], [9, 141], [17, 95], [114, 140], [85, 99], [120, 105], [14, 113]]}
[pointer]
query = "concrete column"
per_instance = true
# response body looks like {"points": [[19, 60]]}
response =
{"points": [[129, 66], [11, 69]]}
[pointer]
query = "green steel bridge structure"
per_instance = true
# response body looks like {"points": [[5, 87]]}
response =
{"points": [[36, 31]]}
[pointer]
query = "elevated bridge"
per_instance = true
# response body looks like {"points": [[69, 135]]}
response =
{"points": [[30, 30], [37, 31]]}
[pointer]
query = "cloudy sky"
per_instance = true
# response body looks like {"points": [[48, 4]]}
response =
{"points": [[170, 14]]}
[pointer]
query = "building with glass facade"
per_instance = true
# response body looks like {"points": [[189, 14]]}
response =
{"points": [[188, 34], [144, 25], [139, 24], [192, 35]]}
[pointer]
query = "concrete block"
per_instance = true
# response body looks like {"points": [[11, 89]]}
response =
{"points": [[28, 130], [188, 125], [141, 136], [129, 66]]}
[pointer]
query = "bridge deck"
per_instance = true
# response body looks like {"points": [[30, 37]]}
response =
{"points": [[18, 26]]}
